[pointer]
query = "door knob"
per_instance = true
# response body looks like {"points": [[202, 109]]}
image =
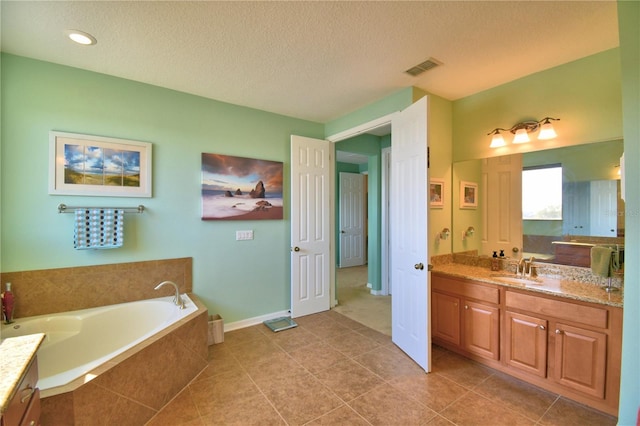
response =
{"points": [[296, 249], [419, 266], [342, 232]]}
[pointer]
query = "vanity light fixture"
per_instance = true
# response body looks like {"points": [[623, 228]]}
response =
{"points": [[81, 37], [521, 132]]}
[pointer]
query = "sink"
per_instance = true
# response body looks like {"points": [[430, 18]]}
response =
{"points": [[517, 280]]}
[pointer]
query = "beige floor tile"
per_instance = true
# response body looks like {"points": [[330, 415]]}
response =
{"points": [[351, 343], [384, 406], [521, 397], [473, 409], [389, 364], [569, 413], [180, 411], [214, 393], [327, 328], [317, 357], [252, 411], [461, 370], [343, 415], [294, 338], [300, 398], [279, 364], [432, 390], [348, 379], [248, 353]]}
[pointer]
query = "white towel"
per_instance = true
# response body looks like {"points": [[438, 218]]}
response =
{"points": [[98, 229]]}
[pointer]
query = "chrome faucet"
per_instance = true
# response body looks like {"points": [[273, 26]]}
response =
{"points": [[177, 299], [525, 267]]}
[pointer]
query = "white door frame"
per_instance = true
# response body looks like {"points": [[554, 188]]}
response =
{"points": [[385, 256]]}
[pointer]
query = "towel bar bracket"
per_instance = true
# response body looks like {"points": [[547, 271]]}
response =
{"points": [[63, 208]]}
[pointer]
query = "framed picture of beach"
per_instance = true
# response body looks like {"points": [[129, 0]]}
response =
{"points": [[468, 195], [98, 166], [239, 188], [436, 193]]}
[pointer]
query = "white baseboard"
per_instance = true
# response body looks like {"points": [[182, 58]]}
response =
{"points": [[254, 321], [369, 285], [377, 292]]}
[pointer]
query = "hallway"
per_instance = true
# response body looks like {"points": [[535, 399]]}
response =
{"points": [[356, 302]]}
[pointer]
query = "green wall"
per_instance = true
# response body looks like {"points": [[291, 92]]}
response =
{"points": [[585, 95], [237, 279], [629, 23]]}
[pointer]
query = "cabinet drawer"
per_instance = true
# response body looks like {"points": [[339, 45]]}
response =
{"points": [[596, 317], [468, 289]]}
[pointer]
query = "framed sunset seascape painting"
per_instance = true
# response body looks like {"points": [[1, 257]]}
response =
{"points": [[239, 188]]}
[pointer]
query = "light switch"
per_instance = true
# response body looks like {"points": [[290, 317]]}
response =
{"points": [[244, 235]]}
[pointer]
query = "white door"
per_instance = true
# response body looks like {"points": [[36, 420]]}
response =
{"points": [[351, 219], [310, 225], [500, 198], [410, 304], [604, 208]]}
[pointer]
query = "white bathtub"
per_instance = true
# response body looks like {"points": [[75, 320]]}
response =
{"points": [[77, 342]]}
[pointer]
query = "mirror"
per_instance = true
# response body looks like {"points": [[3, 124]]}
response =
{"points": [[592, 211]]}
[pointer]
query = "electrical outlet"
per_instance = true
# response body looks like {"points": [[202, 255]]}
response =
{"points": [[244, 235]]}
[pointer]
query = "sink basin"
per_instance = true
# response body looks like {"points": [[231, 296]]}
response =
{"points": [[517, 280]]}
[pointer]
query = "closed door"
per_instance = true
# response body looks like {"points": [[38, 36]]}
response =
{"points": [[352, 214]]}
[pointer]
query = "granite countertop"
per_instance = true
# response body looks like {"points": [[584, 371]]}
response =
{"points": [[557, 287], [16, 354]]}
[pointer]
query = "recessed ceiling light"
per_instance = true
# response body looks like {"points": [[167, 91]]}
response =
{"points": [[81, 37]]}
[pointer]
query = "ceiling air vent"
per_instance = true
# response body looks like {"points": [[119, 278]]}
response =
{"points": [[425, 66]]}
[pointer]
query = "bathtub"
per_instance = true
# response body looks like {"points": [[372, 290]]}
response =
{"points": [[79, 341]]}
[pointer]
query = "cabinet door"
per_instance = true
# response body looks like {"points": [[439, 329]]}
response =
{"points": [[482, 330], [526, 347], [445, 317], [580, 359]]}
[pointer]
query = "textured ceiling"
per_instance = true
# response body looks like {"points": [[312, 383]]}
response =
{"points": [[312, 60]]}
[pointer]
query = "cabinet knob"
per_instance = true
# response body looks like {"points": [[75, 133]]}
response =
{"points": [[558, 331], [466, 306], [541, 327]]}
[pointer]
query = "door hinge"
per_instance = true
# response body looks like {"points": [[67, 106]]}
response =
{"points": [[428, 157]]}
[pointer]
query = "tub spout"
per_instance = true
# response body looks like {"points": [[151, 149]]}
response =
{"points": [[177, 300]]}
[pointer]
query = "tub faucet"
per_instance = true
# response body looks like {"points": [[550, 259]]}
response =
{"points": [[177, 299]]}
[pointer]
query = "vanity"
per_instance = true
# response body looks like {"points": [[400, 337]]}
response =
{"points": [[561, 335], [19, 396]]}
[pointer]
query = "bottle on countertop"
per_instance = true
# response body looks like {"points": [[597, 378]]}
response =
{"points": [[7, 304], [495, 262]]}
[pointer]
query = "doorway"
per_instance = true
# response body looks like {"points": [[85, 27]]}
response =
{"points": [[357, 298]]}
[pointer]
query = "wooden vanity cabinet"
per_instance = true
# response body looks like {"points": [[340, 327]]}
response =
{"points": [[24, 407], [466, 316], [566, 346]]}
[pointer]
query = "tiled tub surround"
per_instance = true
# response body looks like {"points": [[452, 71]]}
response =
{"points": [[136, 384], [49, 291]]}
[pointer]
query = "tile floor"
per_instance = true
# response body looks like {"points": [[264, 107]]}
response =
{"points": [[332, 370]]}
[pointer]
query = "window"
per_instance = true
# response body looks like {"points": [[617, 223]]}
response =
{"points": [[542, 193]]}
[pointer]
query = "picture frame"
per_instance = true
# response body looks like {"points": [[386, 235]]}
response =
{"points": [[468, 195], [240, 188], [98, 166], [436, 193]]}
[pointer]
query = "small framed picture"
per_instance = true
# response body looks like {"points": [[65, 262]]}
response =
{"points": [[436, 193], [468, 195]]}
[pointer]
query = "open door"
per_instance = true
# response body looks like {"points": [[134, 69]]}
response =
{"points": [[410, 304], [310, 226]]}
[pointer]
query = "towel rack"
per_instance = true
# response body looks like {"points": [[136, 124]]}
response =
{"points": [[63, 208]]}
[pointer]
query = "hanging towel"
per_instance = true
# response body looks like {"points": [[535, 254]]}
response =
{"points": [[601, 261], [98, 229]]}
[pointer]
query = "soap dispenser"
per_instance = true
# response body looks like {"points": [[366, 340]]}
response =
{"points": [[495, 262], [7, 304]]}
